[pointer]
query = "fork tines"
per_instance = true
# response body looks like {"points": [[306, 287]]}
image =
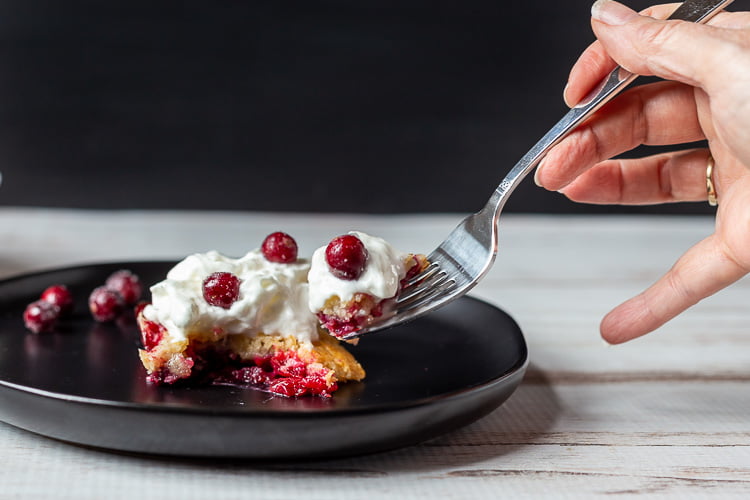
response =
{"points": [[424, 286]]}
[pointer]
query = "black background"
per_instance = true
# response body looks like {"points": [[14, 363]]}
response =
{"points": [[366, 106]]}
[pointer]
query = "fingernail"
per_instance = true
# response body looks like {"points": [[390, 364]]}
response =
{"points": [[536, 173], [565, 95], [611, 12]]}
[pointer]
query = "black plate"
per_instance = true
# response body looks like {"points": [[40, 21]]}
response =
{"points": [[84, 383]]}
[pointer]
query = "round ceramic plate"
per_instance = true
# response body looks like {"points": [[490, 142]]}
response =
{"points": [[84, 383]]}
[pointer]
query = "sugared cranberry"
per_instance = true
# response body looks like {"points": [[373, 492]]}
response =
{"points": [[60, 296], [221, 289], [105, 304], [279, 247], [41, 316], [127, 284], [346, 257]]}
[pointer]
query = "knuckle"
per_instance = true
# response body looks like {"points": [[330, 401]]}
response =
{"points": [[652, 37], [664, 179], [656, 33], [680, 285], [590, 144], [574, 146], [733, 245]]}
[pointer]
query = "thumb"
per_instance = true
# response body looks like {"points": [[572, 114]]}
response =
{"points": [[675, 50]]}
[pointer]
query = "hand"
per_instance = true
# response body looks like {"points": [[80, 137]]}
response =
{"points": [[706, 96]]}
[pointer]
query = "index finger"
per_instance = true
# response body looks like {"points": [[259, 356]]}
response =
{"points": [[594, 63], [703, 270]]}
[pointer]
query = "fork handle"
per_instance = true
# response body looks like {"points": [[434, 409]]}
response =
{"points": [[698, 11]]}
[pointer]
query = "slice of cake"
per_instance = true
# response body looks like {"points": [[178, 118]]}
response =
{"points": [[242, 321], [354, 278]]}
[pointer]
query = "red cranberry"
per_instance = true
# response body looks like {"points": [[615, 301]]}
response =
{"points": [[346, 256], [151, 333], [127, 284], [221, 289], [41, 316], [105, 304], [279, 247], [60, 296]]}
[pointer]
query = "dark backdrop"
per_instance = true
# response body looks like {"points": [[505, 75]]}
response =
{"points": [[368, 106]]}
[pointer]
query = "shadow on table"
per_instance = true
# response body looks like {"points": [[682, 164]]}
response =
{"points": [[529, 413]]}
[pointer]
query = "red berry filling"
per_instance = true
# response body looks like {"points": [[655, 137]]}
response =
{"points": [[252, 375], [127, 284], [151, 333], [346, 257], [279, 247], [282, 373], [41, 316], [60, 296], [354, 318], [221, 289], [105, 304]]}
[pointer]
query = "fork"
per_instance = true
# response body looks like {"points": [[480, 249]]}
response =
{"points": [[469, 251]]}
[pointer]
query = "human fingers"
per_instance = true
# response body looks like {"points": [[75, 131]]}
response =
{"points": [[663, 178], [703, 270], [688, 52], [642, 115], [594, 63]]}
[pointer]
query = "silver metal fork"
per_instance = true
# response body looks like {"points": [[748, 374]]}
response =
{"points": [[468, 252]]}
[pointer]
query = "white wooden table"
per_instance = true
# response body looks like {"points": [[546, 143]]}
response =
{"points": [[664, 416]]}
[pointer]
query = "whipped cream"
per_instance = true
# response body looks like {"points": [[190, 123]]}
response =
{"points": [[383, 272], [273, 298]]}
